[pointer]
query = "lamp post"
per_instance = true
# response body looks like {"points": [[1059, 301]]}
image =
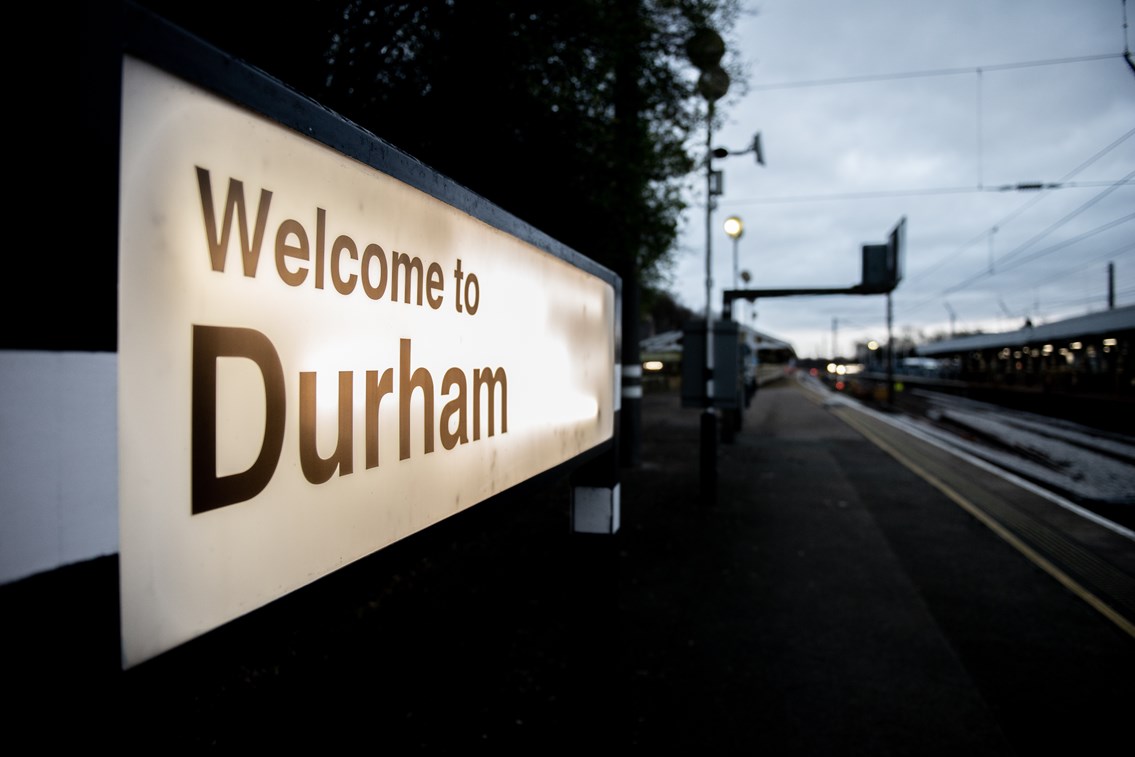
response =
{"points": [[734, 228], [705, 50]]}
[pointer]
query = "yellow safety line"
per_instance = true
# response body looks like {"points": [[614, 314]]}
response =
{"points": [[994, 526]]}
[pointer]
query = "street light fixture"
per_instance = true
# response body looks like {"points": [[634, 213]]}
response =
{"points": [[754, 147], [734, 228]]}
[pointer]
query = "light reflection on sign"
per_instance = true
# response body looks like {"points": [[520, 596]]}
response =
{"points": [[316, 360]]}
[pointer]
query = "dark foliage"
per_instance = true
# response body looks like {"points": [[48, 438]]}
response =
{"points": [[574, 116]]}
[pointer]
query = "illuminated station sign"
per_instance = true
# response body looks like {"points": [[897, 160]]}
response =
{"points": [[317, 359]]}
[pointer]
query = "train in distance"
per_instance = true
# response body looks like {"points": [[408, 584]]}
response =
{"points": [[764, 359]]}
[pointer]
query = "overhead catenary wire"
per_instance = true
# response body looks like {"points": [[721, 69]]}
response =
{"points": [[978, 72], [880, 193], [1061, 183], [1040, 253], [1011, 257], [1068, 242], [1087, 300], [1022, 247], [1080, 264], [1018, 256], [931, 72], [1007, 257], [1022, 208]]}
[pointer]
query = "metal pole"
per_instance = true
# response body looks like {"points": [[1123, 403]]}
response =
{"points": [[1111, 286], [709, 416], [735, 241], [709, 256], [890, 355]]}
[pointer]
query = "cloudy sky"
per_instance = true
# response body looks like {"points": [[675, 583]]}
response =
{"points": [[878, 110]]}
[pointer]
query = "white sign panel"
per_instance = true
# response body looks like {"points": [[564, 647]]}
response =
{"points": [[316, 360]]}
